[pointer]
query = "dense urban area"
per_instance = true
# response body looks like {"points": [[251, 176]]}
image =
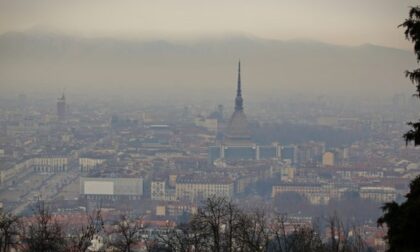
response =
{"points": [[306, 160]]}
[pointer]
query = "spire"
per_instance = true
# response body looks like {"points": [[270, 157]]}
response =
{"points": [[63, 96], [239, 80], [238, 99]]}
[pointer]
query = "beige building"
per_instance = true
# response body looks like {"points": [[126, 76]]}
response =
{"points": [[8, 173], [86, 163], [287, 174], [175, 209], [328, 159], [196, 188], [377, 193], [49, 164], [160, 210], [37, 164], [316, 194]]}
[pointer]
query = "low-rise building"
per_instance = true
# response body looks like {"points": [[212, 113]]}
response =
{"points": [[328, 159], [158, 190], [202, 187], [88, 163], [175, 209], [49, 164], [9, 171], [111, 188], [378, 193], [315, 193]]}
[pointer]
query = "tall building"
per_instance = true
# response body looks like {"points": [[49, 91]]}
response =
{"points": [[237, 143], [61, 107], [237, 130]]}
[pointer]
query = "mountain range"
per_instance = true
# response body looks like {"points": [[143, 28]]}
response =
{"points": [[53, 61]]}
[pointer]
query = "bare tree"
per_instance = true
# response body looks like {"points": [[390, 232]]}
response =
{"points": [[81, 237], [155, 245], [44, 234], [232, 226], [336, 233], [254, 234], [126, 233], [278, 231], [344, 238], [305, 238], [9, 231], [215, 227], [299, 238], [183, 238], [209, 220], [220, 225], [219, 221]]}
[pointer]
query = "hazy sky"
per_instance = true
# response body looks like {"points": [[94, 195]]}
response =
{"points": [[347, 22]]}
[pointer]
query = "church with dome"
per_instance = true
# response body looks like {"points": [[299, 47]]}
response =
{"points": [[237, 143]]}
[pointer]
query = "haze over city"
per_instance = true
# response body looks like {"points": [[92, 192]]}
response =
{"points": [[187, 46], [219, 126]]}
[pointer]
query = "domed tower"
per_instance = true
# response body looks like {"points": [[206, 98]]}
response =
{"points": [[237, 130]]}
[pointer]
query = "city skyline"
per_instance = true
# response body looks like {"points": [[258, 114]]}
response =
{"points": [[149, 125]]}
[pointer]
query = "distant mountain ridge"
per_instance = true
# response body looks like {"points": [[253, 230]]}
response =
{"points": [[44, 59], [51, 41]]}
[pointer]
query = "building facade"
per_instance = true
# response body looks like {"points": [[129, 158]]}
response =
{"points": [[377, 193], [49, 164], [315, 193], [111, 188], [86, 163], [197, 188]]}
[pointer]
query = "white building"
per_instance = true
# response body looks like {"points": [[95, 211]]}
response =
{"points": [[111, 188]]}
